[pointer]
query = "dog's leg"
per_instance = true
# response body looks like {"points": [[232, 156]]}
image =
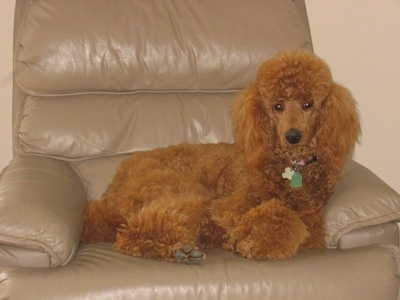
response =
{"points": [[100, 223], [273, 230], [270, 230], [168, 228], [315, 225]]}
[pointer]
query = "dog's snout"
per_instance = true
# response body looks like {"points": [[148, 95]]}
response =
{"points": [[293, 136]]}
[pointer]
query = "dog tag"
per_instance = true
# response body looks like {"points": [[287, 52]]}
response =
{"points": [[297, 180], [288, 174]]}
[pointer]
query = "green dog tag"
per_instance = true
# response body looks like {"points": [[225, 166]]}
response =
{"points": [[296, 181]]}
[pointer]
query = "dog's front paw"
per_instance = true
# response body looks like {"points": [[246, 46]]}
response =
{"points": [[189, 255], [268, 248], [274, 232]]}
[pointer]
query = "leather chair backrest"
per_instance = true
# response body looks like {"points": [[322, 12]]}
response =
{"points": [[97, 80]]}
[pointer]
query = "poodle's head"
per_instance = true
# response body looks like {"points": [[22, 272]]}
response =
{"points": [[294, 104]]}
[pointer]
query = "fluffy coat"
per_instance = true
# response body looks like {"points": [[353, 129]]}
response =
{"points": [[168, 203]]}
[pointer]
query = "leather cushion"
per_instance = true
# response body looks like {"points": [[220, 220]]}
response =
{"points": [[85, 126], [125, 46], [99, 272]]}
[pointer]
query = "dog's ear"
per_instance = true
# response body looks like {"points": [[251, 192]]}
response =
{"points": [[339, 126], [253, 134]]}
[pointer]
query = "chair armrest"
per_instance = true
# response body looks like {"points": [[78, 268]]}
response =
{"points": [[361, 199], [42, 203]]}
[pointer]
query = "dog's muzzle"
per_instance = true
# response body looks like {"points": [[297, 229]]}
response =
{"points": [[293, 136]]}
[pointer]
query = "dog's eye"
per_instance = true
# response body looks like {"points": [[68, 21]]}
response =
{"points": [[279, 107], [307, 105]]}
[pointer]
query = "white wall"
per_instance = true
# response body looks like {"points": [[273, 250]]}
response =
{"points": [[360, 39], [7, 19]]}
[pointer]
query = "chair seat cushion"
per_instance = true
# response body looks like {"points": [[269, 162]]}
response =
{"points": [[99, 272]]}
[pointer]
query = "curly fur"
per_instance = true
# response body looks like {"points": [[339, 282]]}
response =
{"points": [[233, 196]]}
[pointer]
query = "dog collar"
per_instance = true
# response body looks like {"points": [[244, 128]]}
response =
{"points": [[293, 174], [302, 162]]}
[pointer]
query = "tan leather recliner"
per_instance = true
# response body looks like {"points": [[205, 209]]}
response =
{"points": [[95, 80]]}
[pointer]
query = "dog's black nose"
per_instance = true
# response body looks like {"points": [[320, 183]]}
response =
{"points": [[293, 136]]}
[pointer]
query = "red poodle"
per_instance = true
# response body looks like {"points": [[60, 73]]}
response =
{"points": [[261, 197]]}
